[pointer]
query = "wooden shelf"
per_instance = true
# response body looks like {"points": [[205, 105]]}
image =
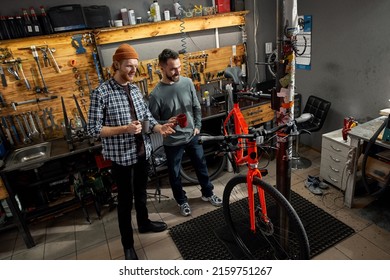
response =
{"points": [[163, 28]]}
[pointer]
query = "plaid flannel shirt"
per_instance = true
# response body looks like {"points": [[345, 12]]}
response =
{"points": [[110, 107]]}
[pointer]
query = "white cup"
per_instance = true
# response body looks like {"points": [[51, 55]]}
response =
{"points": [[118, 23]]}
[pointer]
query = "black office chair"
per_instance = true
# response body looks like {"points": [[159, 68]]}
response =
{"points": [[319, 108]]}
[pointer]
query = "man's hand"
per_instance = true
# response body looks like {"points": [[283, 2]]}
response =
{"points": [[135, 127], [164, 129], [196, 131]]}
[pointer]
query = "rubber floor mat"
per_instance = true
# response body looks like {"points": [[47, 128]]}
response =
{"points": [[207, 238]]}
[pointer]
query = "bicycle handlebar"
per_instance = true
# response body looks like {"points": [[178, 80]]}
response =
{"points": [[256, 132]]}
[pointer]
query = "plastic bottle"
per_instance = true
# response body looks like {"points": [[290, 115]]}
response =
{"points": [[155, 11], [150, 18], [206, 95], [177, 8], [132, 17], [125, 16]]}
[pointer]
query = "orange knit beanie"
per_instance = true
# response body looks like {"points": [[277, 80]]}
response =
{"points": [[125, 51]]}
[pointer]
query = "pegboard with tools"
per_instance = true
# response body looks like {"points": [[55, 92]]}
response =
{"points": [[36, 73]]}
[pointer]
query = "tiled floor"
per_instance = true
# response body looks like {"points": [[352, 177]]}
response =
{"points": [[70, 237]]}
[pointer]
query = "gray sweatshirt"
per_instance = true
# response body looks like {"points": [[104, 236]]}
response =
{"points": [[169, 100]]}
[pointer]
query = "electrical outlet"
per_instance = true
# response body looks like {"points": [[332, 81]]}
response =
{"points": [[268, 48]]}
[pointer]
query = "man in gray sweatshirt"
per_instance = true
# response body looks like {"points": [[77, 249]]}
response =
{"points": [[172, 96]]}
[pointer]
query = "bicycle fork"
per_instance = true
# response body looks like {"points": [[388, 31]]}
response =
{"points": [[252, 173]]}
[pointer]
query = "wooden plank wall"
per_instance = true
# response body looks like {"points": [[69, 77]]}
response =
{"points": [[73, 67]]}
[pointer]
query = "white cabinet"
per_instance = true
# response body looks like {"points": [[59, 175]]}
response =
{"points": [[335, 159]]}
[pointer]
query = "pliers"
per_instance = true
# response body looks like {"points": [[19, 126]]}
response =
{"points": [[46, 60]]}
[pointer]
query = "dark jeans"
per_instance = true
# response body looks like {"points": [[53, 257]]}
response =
{"points": [[194, 150], [131, 181]]}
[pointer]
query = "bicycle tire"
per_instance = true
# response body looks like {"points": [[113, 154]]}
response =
{"points": [[215, 162], [269, 240]]}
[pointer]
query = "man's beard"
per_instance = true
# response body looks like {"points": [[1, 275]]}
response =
{"points": [[127, 76], [173, 78]]}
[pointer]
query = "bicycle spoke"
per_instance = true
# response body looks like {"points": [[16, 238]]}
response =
{"points": [[279, 235]]}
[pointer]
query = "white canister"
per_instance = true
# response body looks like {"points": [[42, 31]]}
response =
{"points": [[132, 17], [167, 15]]}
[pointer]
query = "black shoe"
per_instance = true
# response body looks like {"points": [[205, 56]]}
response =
{"points": [[130, 254], [153, 226]]}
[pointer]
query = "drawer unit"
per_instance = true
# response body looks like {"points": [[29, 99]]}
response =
{"points": [[334, 159], [259, 114]]}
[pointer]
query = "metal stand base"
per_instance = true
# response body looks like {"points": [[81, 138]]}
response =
{"points": [[300, 163]]}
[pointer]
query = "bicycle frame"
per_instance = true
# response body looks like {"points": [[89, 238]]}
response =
{"points": [[251, 159]]}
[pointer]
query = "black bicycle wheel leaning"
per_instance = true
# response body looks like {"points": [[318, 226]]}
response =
{"points": [[282, 237], [216, 162]]}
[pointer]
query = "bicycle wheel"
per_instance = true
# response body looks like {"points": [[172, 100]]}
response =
{"points": [[215, 161], [281, 237]]}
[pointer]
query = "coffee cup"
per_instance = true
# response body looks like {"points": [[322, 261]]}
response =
{"points": [[145, 126], [181, 120]]}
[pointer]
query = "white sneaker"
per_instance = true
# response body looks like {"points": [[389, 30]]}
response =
{"points": [[185, 209], [214, 200]]}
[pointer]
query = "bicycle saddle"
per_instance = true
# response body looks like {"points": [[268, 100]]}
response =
{"points": [[234, 73]]}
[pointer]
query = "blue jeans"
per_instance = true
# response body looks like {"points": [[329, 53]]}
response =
{"points": [[174, 155]]}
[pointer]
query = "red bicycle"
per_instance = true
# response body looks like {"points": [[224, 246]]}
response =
{"points": [[261, 220]]}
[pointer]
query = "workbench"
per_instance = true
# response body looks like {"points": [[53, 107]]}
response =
{"points": [[358, 136]]}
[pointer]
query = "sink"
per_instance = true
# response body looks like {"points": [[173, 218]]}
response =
{"points": [[32, 154]]}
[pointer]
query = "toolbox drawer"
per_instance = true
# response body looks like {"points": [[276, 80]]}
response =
{"points": [[258, 114]]}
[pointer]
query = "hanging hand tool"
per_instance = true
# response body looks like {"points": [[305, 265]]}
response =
{"points": [[51, 50], [27, 126], [158, 72], [51, 117], [25, 138], [88, 82], [34, 131], [83, 122], [40, 126], [37, 88], [46, 60], [150, 72], [7, 131], [13, 127], [145, 82], [77, 43], [36, 100], [68, 129], [26, 82], [3, 79], [36, 58], [2, 101], [97, 67], [13, 72]]}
